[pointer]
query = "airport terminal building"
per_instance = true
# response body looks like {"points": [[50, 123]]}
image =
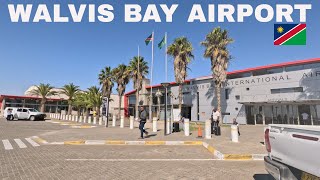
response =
{"points": [[285, 93]]}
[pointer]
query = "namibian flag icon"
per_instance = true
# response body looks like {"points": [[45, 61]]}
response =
{"points": [[290, 34]]}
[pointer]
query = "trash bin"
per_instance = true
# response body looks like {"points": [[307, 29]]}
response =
{"points": [[176, 127]]}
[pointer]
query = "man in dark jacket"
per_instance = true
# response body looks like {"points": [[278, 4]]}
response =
{"points": [[143, 120]]}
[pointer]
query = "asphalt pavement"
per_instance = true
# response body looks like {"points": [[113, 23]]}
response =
{"points": [[21, 157]]}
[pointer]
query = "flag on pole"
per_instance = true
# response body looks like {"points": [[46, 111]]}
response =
{"points": [[148, 40], [290, 34], [162, 42]]}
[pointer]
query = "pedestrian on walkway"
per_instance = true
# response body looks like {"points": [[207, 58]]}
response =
{"points": [[9, 114], [237, 124], [215, 115], [143, 120]]}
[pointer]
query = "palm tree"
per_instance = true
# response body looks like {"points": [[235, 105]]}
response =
{"points": [[43, 91], [216, 43], [95, 99], [181, 51], [105, 79], [121, 75], [139, 69], [71, 91], [81, 102]]}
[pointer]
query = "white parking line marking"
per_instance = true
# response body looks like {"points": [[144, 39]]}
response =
{"points": [[20, 143], [126, 160], [32, 142], [7, 144]]}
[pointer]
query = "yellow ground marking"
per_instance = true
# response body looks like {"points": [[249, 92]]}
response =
{"points": [[237, 157], [192, 142], [155, 143], [79, 142]]}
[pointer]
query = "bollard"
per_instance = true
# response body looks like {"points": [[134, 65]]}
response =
{"points": [[85, 119], [100, 120], [154, 124], [114, 118], [69, 118], [57, 116], [95, 120], [168, 126], [131, 122], [80, 119], [77, 118], [122, 122], [89, 119], [64, 117], [72, 117], [186, 127], [234, 133], [208, 129]]}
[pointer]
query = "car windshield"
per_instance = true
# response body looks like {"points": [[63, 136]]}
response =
{"points": [[33, 110]]}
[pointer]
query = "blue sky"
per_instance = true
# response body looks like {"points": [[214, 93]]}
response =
{"points": [[60, 53]]}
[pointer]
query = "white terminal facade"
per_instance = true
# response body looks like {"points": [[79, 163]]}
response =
{"points": [[285, 93]]}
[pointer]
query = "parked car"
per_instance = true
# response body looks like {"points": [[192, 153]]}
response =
{"points": [[26, 113], [293, 152]]}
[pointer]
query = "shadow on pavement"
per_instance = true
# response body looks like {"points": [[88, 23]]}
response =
{"points": [[263, 177], [151, 135]]}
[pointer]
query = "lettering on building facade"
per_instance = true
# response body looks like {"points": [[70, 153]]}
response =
{"points": [[257, 80]]}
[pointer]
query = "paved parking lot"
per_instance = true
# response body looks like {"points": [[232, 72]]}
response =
{"points": [[110, 162]]}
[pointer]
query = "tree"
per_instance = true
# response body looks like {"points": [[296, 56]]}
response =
{"points": [[43, 91], [94, 99], [181, 50], [139, 69], [105, 79], [216, 43], [121, 75], [71, 91]]}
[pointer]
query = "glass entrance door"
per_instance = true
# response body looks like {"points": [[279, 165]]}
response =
{"points": [[250, 114]]}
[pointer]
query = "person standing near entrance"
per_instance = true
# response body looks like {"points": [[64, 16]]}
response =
{"points": [[305, 118], [143, 120], [9, 114], [237, 124], [215, 115]]}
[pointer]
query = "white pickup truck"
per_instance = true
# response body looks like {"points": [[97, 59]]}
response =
{"points": [[293, 152], [25, 113]]}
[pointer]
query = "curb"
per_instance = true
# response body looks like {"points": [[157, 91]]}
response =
{"points": [[216, 154], [119, 142]]}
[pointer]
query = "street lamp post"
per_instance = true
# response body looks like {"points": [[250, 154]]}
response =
{"points": [[165, 85], [106, 104]]}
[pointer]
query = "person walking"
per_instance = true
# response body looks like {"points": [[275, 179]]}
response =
{"points": [[143, 120], [215, 115], [237, 124], [9, 114]]}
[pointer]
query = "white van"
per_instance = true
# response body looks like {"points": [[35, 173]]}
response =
{"points": [[25, 113]]}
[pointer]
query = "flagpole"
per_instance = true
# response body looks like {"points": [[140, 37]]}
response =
{"points": [[166, 73], [166, 56], [137, 110], [151, 78]]}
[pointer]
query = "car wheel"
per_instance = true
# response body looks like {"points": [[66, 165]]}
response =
{"points": [[32, 118]]}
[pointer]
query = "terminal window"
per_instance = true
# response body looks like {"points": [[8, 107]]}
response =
{"points": [[287, 90]]}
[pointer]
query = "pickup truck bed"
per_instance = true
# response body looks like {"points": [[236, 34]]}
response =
{"points": [[292, 149]]}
